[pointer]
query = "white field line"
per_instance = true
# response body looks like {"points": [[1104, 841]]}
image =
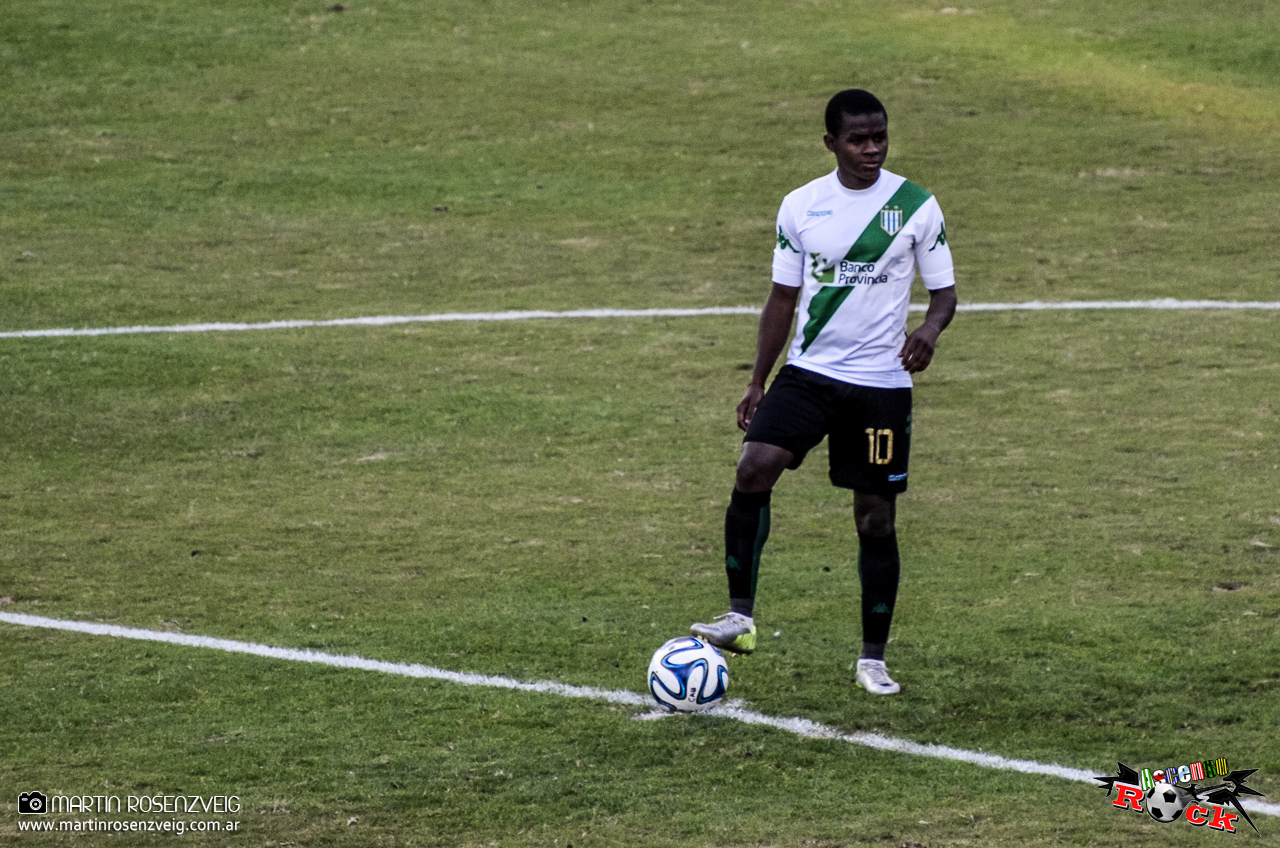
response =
{"points": [[798, 726], [528, 315], [388, 320]]}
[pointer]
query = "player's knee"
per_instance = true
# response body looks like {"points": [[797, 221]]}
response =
{"points": [[874, 519], [752, 477], [875, 525], [756, 474]]}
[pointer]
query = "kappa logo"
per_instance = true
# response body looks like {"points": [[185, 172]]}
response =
{"points": [[941, 239], [891, 220]]}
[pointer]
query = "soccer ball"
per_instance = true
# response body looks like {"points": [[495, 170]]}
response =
{"points": [[687, 674], [1165, 802]]}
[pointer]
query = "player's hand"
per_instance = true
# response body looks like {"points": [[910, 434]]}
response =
{"points": [[917, 352], [747, 406]]}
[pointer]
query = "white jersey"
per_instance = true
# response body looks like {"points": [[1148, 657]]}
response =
{"points": [[855, 254]]}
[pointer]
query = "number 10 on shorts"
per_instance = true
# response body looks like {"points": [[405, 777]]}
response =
{"points": [[879, 446]]}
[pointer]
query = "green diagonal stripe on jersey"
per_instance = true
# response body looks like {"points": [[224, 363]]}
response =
{"points": [[874, 240], [869, 247]]}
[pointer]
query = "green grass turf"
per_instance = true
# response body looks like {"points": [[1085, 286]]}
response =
{"points": [[1091, 534], [1089, 545], [165, 163]]}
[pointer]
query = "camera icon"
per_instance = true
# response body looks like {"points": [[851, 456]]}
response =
{"points": [[33, 803]]}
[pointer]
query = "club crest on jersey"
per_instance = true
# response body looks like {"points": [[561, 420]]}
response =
{"points": [[891, 220]]}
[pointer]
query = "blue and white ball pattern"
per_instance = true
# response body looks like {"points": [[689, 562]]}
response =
{"points": [[687, 674]]}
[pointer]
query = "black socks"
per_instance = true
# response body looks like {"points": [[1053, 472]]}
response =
{"points": [[878, 567], [746, 527]]}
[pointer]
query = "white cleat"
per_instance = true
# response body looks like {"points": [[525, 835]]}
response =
{"points": [[733, 632], [874, 677]]}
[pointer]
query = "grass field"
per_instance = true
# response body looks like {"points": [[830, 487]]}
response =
{"points": [[1090, 540]]}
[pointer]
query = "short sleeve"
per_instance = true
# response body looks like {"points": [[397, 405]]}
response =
{"points": [[933, 256], [788, 256]]}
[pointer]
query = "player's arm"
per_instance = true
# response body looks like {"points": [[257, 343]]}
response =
{"points": [[918, 350], [933, 258], [775, 331]]}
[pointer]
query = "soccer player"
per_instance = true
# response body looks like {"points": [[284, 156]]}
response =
{"points": [[847, 251]]}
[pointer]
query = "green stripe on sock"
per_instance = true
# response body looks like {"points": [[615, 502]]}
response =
{"points": [[762, 536]]}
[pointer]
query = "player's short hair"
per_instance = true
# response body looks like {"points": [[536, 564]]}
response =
{"points": [[852, 101]]}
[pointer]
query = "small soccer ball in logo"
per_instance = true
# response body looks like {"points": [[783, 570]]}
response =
{"points": [[687, 674], [1164, 802]]}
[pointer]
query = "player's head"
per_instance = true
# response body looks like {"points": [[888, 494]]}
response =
{"points": [[858, 134], [852, 102]]}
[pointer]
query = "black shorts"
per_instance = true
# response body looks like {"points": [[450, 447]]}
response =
{"points": [[869, 428]]}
